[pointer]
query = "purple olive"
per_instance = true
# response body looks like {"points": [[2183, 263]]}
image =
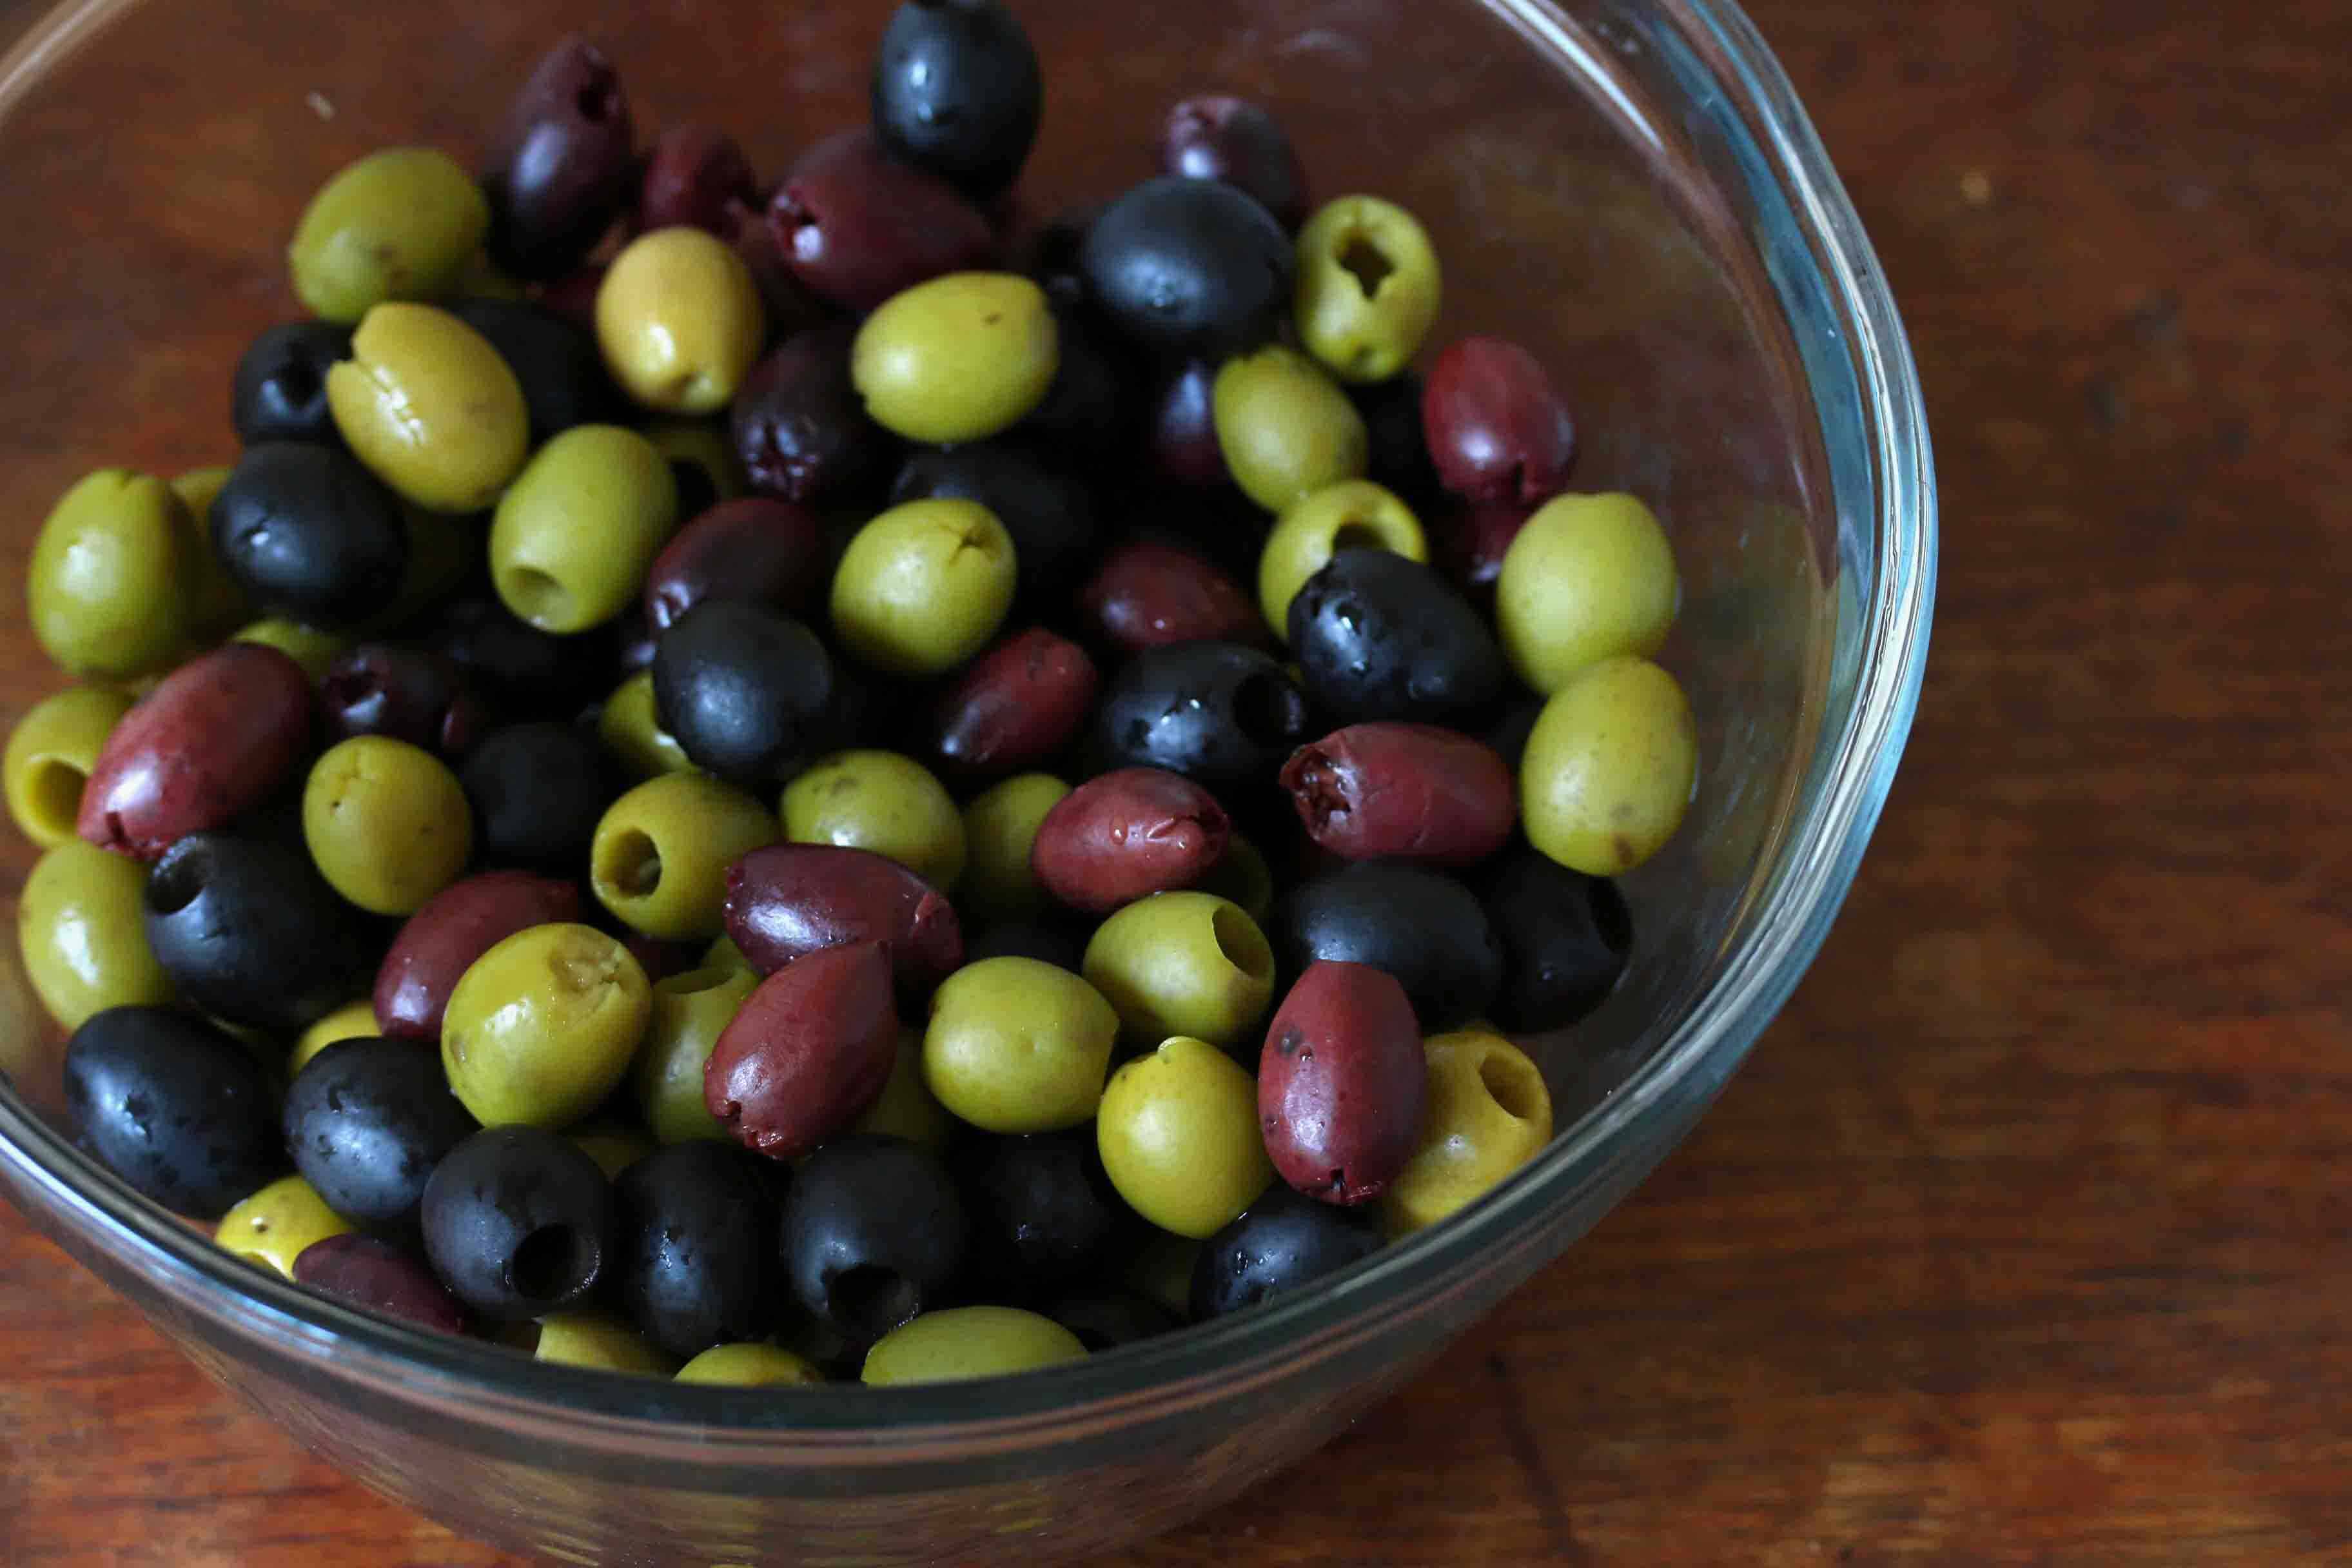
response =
{"points": [[375, 1274], [856, 225], [1496, 430], [1341, 1085], [807, 1051], [410, 694], [800, 427], [756, 547], [458, 924], [1148, 594], [694, 177], [1403, 792], [563, 165], [1123, 835], [788, 900], [1184, 429], [1233, 140], [1015, 705]]}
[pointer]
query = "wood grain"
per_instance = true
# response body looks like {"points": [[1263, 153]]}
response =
{"points": [[2022, 1239]]}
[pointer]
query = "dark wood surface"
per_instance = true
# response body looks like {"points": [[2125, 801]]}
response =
{"points": [[2023, 1237]]}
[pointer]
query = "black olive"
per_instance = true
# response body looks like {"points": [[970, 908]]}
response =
{"points": [[957, 90], [538, 791], [1217, 713], [1235, 140], [694, 1242], [1281, 1242], [873, 1233], [1043, 1212], [367, 1121], [1189, 269], [280, 390], [518, 1222], [748, 691], [1421, 926], [249, 932], [309, 533], [173, 1107], [1378, 635], [519, 670], [1564, 936]]}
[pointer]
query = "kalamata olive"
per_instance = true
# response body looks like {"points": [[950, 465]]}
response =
{"points": [[1495, 428], [1089, 404], [800, 428], [251, 932], [1123, 835], [1421, 926], [172, 1106], [746, 691], [518, 1222], [1189, 269], [519, 670], [1564, 936], [788, 900], [1235, 140], [1104, 1320], [697, 177], [856, 225], [1400, 451], [1281, 1242], [367, 1272], [280, 390], [1046, 508], [1403, 792], [873, 1233], [1044, 1213], [807, 1051], [573, 295], [1015, 705], [1215, 711], [1183, 436], [309, 533], [754, 548], [1380, 636], [458, 924], [1471, 547], [790, 307], [562, 164], [557, 360], [366, 1120], [213, 739], [694, 1248], [1148, 594], [956, 90], [538, 791], [408, 693], [1342, 1088]]}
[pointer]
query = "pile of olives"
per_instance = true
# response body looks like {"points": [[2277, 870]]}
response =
{"points": [[774, 784]]}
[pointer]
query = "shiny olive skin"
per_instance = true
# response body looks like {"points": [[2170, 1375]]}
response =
{"points": [[882, 801], [1214, 137], [574, 533], [174, 1106], [1286, 428], [1014, 706], [440, 941], [270, 1228], [923, 587], [956, 90], [788, 900], [1125, 834], [1182, 438], [52, 752], [1367, 288], [689, 1010], [1496, 429], [1178, 1134], [694, 1234], [856, 225], [1184, 962], [83, 937], [1586, 578], [249, 932], [1014, 1045], [372, 1273], [557, 361], [1217, 713], [680, 321], [537, 791], [1187, 269], [662, 851], [966, 1342], [1354, 515], [1281, 1242], [1565, 938], [521, 671], [694, 177], [749, 692], [873, 1232], [1380, 636], [410, 694], [807, 1052], [562, 163], [1490, 1113], [1104, 1320], [518, 1222], [1341, 1094], [1611, 767], [957, 357], [753, 548], [110, 590], [1148, 594], [1403, 792], [542, 1026], [279, 391], [400, 224], [427, 403], [592, 1336], [386, 822], [1044, 1214], [1420, 925], [308, 533], [800, 429], [1047, 509], [366, 1121]]}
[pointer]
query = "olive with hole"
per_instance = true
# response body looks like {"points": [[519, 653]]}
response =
{"points": [[1000, 828], [174, 1106], [1588, 577], [574, 536], [1047, 509], [248, 932], [1148, 594], [1341, 1095], [970, 1342], [1355, 514], [543, 1026], [1015, 706], [756, 1365], [701, 454], [308, 533], [400, 224], [1367, 288], [538, 791], [386, 822], [1183, 964], [558, 363], [1609, 767], [1380, 636], [630, 731], [1216, 712], [52, 752], [959, 358], [1017, 1046], [279, 391], [1497, 428], [272, 1228], [1179, 1135], [81, 932], [369, 1272], [1286, 428], [1214, 137], [1105, 1320], [905, 1107], [660, 857], [518, 1222], [694, 1248], [407, 694], [883, 802], [1280, 1243], [108, 588], [428, 405], [680, 321], [440, 941], [351, 1021], [1416, 923], [799, 427], [1403, 792], [521, 671], [807, 1051], [788, 900], [1490, 1113], [1122, 835], [748, 691], [562, 164], [1044, 1214], [366, 1121], [689, 1010], [697, 177], [956, 90], [856, 225], [924, 587], [1565, 938], [1187, 269], [753, 548], [874, 1231]]}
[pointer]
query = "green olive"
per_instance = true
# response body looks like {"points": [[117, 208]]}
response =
{"points": [[723, 954], [1587, 578], [311, 648], [574, 534], [969, 1342], [1242, 875], [1000, 828], [633, 733], [1609, 767], [401, 223], [599, 1339], [1178, 1133], [542, 1026], [956, 359], [704, 447], [688, 1012], [922, 587], [81, 930], [614, 1148], [750, 1366], [883, 802], [108, 588], [216, 605], [1489, 1112], [272, 1226], [351, 1021], [680, 321], [905, 1107], [1183, 964], [1355, 514], [387, 822], [1161, 1271], [1015, 1044], [430, 407], [50, 753], [1285, 428], [1367, 287], [660, 856]]}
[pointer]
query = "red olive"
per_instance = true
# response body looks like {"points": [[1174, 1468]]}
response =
{"points": [[408, 693], [800, 427], [1183, 437], [369, 1272], [1496, 429], [1342, 1088], [756, 547], [458, 924], [1403, 792], [573, 295], [213, 739], [692, 175], [1148, 594], [1016, 705], [790, 900], [563, 165], [1471, 547], [660, 959], [1123, 835], [857, 226], [807, 1051], [1235, 140]]}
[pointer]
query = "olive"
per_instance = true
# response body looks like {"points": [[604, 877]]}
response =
{"points": [[1490, 1113], [542, 1026], [1285, 428], [631, 733], [1183, 437], [1340, 1090], [1380, 636], [1015, 705], [386, 822], [1610, 768], [249, 932], [799, 427], [1235, 141], [694, 1237], [1120, 835], [1185, 962], [905, 1107], [1354, 515], [574, 536], [110, 588], [518, 1222], [880, 801], [441, 941], [923, 587], [214, 739], [1243, 878], [1565, 937], [1280, 1243], [680, 321], [661, 853], [1088, 407], [807, 1052], [1015, 1045], [694, 177], [367, 1271], [1147, 594], [1049, 251], [1403, 792], [873, 1232], [788, 900], [1400, 452], [407, 694], [309, 533], [537, 791], [1471, 547], [596, 1339], [427, 403], [51, 754], [1044, 1214], [519, 670], [351, 1021], [856, 225], [750, 1366], [754, 548], [81, 937], [279, 392], [367, 1121], [701, 454], [1000, 828], [1496, 429], [957, 357], [1046, 508], [555, 359], [1421, 926], [957, 91], [1106, 1319], [969, 1342], [749, 692], [271, 1228], [1179, 1133], [1367, 288], [690, 1009], [562, 163], [174, 1106], [1060, 942], [312, 649], [215, 605], [1215, 711], [400, 224], [1187, 269], [1587, 578]]}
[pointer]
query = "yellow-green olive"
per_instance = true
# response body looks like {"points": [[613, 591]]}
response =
{"points": [[599, 1339], [574, 534], [969, 1342], [1161, 1271], [905, 1107], [401, 223], [660, 856], [689, 1011], [1242, 875], [883, 802], [1488, 1114], [1183, 964], [1178, 1133], [614, 1148], [750, 1366], [1588, 577], [1285, 428], [430, 407], [386, 822], [1355, 514], [1015, 1044], [272, 1226], [81, 930], [1000, 825], [957, 358], [631, 732], [1609, 767], [1366, 290], [216, 605], [704, 447], [680, 320], [922, 587], [351, 1021], [50, 753], [311, 648], [108, 587], [542, 1026]]}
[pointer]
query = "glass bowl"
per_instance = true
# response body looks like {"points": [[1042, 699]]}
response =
{"points": [[1627, 186]]}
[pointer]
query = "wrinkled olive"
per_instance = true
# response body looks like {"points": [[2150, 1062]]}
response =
{"points": [[1341, 1092], [1123, 835], [428, 405]]}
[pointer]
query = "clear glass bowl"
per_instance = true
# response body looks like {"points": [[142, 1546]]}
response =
{"points": [[1628, 185]]}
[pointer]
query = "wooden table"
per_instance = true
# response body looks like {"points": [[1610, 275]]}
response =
{"points": [[2022, 1239]]}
